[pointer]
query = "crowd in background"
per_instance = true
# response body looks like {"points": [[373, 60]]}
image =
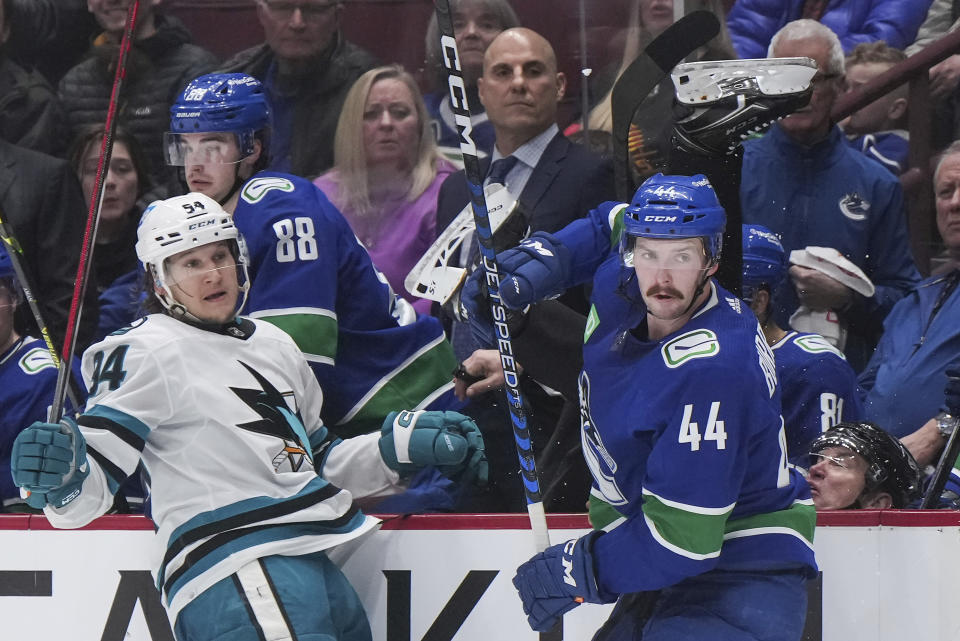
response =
{"points": [[380, 143]]}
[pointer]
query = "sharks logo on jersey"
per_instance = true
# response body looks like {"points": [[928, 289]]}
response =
{"points": [[602, 465], [279, 420]]}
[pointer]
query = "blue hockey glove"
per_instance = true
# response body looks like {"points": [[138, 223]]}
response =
{"points": [[952, 391], [449, 441], [559, 579], [534, 270], [50, 461]]}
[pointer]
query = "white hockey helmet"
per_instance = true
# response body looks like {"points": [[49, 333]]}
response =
{"points": [[177, 224]]}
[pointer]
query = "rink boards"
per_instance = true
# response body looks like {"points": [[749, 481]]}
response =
{"points": [[886, 575]]}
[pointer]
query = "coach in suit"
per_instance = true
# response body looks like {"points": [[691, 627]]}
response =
{"points": [[40, 198], [556, 182]]}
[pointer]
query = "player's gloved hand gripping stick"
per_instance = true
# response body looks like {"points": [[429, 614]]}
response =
{"points": [[49, 460]]}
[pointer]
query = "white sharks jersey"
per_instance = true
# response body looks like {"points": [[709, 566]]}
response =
{"points": [[226, 424]]}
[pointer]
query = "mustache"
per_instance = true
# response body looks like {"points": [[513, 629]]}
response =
{"points": [[669, 291]]}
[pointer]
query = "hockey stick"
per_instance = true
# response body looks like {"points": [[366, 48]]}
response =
{"points": [[677, 42], [93, 216], [15, 251], [521, 433], [939, 479]]}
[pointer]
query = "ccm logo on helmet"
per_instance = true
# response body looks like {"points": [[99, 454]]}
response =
{"points": [[659, 219], [203, 223]]}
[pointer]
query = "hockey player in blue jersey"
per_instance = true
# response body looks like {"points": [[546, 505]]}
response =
{"points": [[818, 387], [681, 429], [28, 376], [310, 276], [223, 413]]}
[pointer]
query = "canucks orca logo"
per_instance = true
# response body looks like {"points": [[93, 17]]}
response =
{"points": [[602, 465], [277, 421], [854, 207]]}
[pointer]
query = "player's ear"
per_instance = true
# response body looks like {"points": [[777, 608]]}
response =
{"points": [[878, 500]]}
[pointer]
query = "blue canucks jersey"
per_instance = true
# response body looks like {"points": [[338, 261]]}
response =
{"points": [[28, 378], [683, 435], [819, 390], [311, 277]]}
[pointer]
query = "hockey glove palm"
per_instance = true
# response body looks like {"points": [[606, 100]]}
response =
{"points": [[449, 441], [50, 461], [557, 580], [536, 269]]}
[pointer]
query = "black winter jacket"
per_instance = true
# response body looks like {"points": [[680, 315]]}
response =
{"points": [[318, 99], [30, 113], [158, 68]]}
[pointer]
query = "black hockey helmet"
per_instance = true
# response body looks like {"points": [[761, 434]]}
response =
{"points": [[890, 466]]}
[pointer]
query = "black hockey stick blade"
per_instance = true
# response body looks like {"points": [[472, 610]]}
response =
{"points": [[668, 50]]}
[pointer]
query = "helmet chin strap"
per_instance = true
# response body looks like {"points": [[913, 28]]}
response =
{"points": [[237, 184]]}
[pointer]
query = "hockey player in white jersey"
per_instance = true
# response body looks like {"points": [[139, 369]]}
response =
{"points": [[819, 388], [223, 413], [681, 430]]}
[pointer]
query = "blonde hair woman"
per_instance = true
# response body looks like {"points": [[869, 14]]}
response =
{"points": [[387, 172]]}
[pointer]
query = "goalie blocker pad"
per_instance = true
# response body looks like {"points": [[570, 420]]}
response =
{"points": [[433, 277], [721, 103]]}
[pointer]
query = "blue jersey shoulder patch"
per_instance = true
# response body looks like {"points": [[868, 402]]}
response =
{"points": [[700, 343], [36, 360]]}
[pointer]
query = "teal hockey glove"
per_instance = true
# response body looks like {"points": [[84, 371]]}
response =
{"points": [[449, 441], [50, 461]]}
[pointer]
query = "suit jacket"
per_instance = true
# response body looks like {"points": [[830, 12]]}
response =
{"points": [[40, 198], [567, 183]]}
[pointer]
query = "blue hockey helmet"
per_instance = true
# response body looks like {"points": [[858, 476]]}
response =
{"points": [[673, 207], [7, 274], [764, 260], [219, 102], [6, 265]]}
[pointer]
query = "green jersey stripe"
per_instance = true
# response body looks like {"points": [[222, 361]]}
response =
{"points": [[615, 220], [315, 333], [419, 377], [696, 535], [800, 519]]}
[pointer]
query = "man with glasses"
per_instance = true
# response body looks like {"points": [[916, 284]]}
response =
{"points": [[859, 466], [306, 67], [802, 181]]}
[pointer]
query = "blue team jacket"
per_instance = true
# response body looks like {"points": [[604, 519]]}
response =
{"points": [[905, 378], [833, 196]]}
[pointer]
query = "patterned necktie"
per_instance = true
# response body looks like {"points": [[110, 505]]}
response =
{"points": [[500, 168]]}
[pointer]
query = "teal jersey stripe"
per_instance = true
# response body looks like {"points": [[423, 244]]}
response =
{"points": [[258, 535], [121, 419]]}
